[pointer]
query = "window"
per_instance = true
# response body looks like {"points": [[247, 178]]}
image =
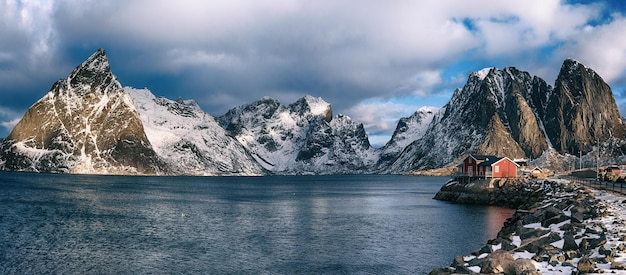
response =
{"points": [[497, 169]]}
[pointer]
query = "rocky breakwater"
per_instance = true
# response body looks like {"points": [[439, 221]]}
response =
{"points": [[568, 230], [512, 192]]}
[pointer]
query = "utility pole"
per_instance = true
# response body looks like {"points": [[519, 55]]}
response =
{"points": [[580, 160], [598, 153]]}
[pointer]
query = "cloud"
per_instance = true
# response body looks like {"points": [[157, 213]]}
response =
{"points": [[9, 125], [8, 119], [227, 53], [380, 117], [602, 48], [30, 27]]}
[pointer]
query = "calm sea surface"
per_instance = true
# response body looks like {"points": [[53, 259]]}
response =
{"points": [[234, 225]]}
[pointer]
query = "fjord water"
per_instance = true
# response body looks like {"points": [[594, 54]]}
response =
{"points": [[234, 225]]}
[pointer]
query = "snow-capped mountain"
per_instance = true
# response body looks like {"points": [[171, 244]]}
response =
{"points": [[580, 110], [86, 123], [511, 113], [408, 130], [302, 138], [189, 140]]}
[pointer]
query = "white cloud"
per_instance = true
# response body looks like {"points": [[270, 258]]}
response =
{"points": [[603, 48], [380, 116], [181, 58], [423, 83], [31, 24], [344, 51], [9, 125], [11, 115]]}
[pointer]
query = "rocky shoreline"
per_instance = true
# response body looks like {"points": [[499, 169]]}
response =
{"points": [[558, 228]]}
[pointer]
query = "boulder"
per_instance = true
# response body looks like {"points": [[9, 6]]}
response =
{"points": [[554, 220], [500, 261], [569, 242], [586, 264], [462, 270], [618, 266], [526, 233], [571, 254], [458, 260], [525, 266], [442, 271], [577, 214], [534, 245]]}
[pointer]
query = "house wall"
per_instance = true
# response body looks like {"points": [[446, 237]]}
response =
{"points": [[506, 169], [485, 171], [470, 162]]}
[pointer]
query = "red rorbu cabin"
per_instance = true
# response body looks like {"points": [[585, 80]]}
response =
{"points": [[489, 167]]}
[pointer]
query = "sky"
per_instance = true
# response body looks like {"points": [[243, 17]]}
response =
{"points": [[375, 61]]}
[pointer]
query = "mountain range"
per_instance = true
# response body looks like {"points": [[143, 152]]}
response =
{"points": [[88, 123]]}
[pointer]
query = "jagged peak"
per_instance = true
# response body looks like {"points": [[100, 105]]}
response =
{"points": [[427, 109], [481, 74], [315, 105], [97, 63], [571, 62], [93, 74], [572, 66]]}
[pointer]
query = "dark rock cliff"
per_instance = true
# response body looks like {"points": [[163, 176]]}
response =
{"points": [[85, 124], [511, 113], [581, 110]]}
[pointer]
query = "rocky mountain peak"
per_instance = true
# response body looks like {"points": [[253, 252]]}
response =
{"points": [[309, 106], [86, 123], [481, 74], [186, 108], [581, 111], [93, 75]]}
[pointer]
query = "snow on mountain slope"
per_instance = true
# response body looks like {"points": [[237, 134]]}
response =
{"points": [[86, 123], [492, 114], [302, 138], [408, 130], [189, 139]]}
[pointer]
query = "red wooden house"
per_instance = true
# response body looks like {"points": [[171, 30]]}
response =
{"points": [[469, 167], [613, 170], [489, 167]]}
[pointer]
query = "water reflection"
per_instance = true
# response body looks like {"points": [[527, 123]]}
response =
{"points": [[283, 225], [496, 216]]}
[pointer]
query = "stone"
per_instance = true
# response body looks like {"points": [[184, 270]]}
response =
{"points": [[593, 243], [500, 261], [584, 245], [606, 252], [476, 262], [524, 266], [530, 218], [458, 260], [526, 233], [551, 212], [618, 266], [586, 264], [507, 245], [460, 269], [554, 220], [577, 214], [568, 263], [556, 260], [571, 254], [484, 249], [441, 271], [569, 242]]}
